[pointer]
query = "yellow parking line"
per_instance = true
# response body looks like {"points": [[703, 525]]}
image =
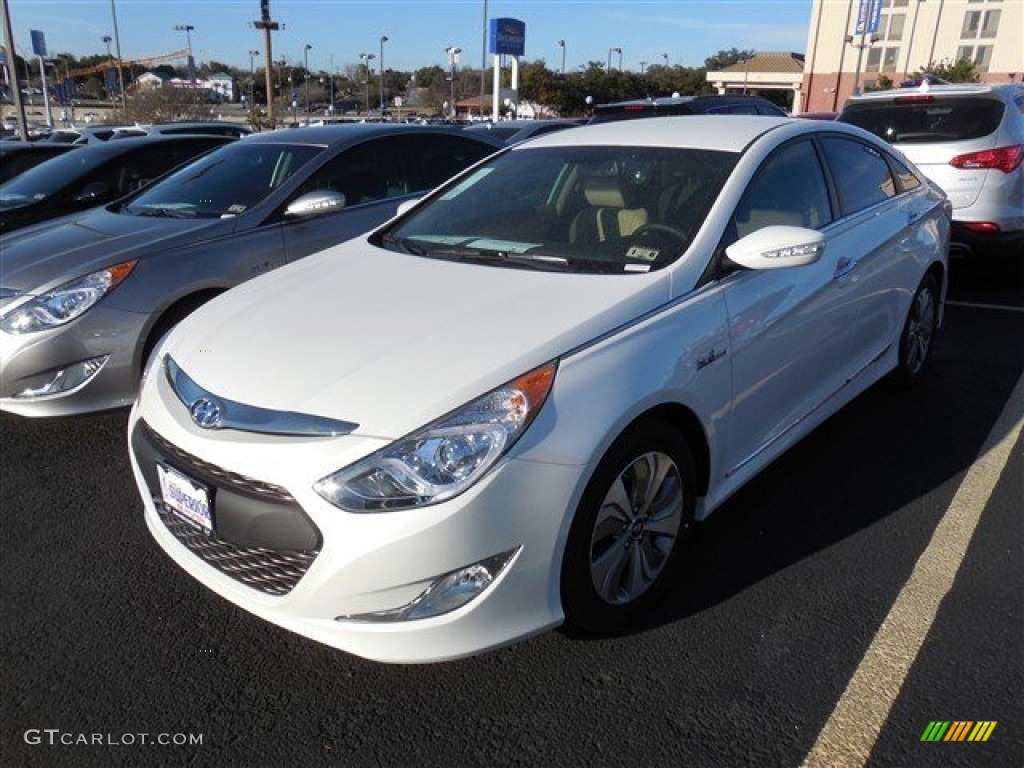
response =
{"points": [[851, 731]]}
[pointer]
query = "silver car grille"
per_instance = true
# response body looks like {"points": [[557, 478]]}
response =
{"points": [[274, 572]]}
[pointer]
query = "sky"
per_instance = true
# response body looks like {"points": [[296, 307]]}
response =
{"points": [[418, 31]]}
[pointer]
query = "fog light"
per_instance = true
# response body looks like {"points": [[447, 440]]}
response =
{"points": [[64, 379], [448, 592]]}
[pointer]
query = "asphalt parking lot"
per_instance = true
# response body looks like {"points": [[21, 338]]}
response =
{"points": [[109, 648]]}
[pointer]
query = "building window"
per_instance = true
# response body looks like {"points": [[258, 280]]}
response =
{"points": [[889, 59], [874, 60], [983, 57], [965, 53], [896, 26], [988, 29], [972, 22]]}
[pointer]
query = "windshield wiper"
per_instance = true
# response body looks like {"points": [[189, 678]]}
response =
{"points": [[530, 260]]}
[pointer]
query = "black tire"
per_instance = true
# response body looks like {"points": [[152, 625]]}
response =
{"points": [[619, 562], [918, 334]]}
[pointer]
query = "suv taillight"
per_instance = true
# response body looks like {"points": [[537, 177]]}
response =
{"points": [[1005, 159]]}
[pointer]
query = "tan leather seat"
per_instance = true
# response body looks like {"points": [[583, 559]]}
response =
{"points": [[607, 217]]}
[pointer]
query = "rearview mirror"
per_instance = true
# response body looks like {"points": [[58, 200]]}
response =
{"points": [[315, 203], [777, 247]]}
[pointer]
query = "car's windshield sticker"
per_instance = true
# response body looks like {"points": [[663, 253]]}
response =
{"points": [[644, 254]]}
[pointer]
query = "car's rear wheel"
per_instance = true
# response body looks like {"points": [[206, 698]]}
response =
{"points": [[918, 333], [630, 529]]}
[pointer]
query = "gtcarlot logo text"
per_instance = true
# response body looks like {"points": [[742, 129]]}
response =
{"points": [[54, 737]]}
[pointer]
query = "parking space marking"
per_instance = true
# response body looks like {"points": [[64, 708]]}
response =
{"points": [[972, 305], [850, 733]]}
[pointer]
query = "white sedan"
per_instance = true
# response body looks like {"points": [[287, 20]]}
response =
{"points": [[504, 409]]}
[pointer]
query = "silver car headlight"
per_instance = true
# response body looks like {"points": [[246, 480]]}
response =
{"points": [[445, 458], [66, 302]]}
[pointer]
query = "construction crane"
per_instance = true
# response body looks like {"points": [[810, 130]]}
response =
{"points": [[143, 61]]}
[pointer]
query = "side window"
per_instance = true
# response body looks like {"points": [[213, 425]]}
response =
{"points": [[861, 174], [789, 188], [441, 157], [905, 176], [365, 173]]}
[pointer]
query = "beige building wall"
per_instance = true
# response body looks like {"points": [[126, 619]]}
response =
{"points": [[910, 35]]}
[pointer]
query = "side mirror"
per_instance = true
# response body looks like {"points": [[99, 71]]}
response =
{"points": [[777, 247], [94, 190], [407, 205], [314, 204]]}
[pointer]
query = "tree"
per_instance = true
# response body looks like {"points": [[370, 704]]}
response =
{"points": [[724, 59], [962, 71]]}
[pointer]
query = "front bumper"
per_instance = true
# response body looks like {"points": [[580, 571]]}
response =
{"points": [[359, 564], [28, 361]]}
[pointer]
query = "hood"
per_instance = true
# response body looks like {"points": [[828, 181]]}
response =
{"points": [[392, 341], [41, 257]]}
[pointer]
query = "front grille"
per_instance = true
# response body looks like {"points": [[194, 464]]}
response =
{"points": [[272, 571], [233, 479]]}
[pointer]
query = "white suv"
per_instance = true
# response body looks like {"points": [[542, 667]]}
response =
{"points": [[968, 139]]}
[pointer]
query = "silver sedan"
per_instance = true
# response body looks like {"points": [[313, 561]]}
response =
{"points": [[85, 298]]}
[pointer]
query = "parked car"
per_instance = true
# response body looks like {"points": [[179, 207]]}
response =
{"points": [[16, 157], [734, 104], [514, 131], [505, 408], [91, 176], [192, 128], [86, 297], [968, 139]]}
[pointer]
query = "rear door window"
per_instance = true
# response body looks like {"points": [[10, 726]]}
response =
{"points": [[862, 177], [925, 119]]}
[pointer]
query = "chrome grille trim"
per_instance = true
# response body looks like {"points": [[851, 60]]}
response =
{"points": [[273, 572], [251, 418]]}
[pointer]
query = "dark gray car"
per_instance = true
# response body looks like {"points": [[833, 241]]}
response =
{"points": [[84, 298]]}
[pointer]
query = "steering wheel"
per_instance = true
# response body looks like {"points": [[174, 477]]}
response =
{"points": [[665, 228]]}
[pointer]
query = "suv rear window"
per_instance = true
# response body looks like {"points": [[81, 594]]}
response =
{"points": [[925, 119]]}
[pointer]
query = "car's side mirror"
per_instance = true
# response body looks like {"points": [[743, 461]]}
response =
{"points": [[315, 204], [406, 205], [94, 190], [777, 247]]}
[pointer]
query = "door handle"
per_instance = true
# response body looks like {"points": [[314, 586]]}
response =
{"points": [[844, 266]]}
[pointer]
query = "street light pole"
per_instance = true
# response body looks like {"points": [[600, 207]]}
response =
{"points": [[187, 29], [367, 58], [305, 78], [561, 44], [383, 39], [252, 80], [453, 59], [110, 91], [610, 52], [117, 48]]}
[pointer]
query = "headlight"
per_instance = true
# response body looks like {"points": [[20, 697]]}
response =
{"points": [[444, 458], [64, 304]]}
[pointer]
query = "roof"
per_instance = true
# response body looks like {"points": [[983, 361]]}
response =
{"points": [[725, 133], [325, 135], [769, 62], [955, 89]]}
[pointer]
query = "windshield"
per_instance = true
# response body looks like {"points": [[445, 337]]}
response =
{"points": [[224, 183], [581, 209], [49, 178]]}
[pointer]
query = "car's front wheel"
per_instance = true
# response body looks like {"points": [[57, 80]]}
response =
{"points": [[630, 529]]}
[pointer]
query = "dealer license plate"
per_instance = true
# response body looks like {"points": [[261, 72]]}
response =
{"points": [[187, 499]]}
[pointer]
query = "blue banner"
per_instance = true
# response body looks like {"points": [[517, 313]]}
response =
{"points": [[869, 15]]}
